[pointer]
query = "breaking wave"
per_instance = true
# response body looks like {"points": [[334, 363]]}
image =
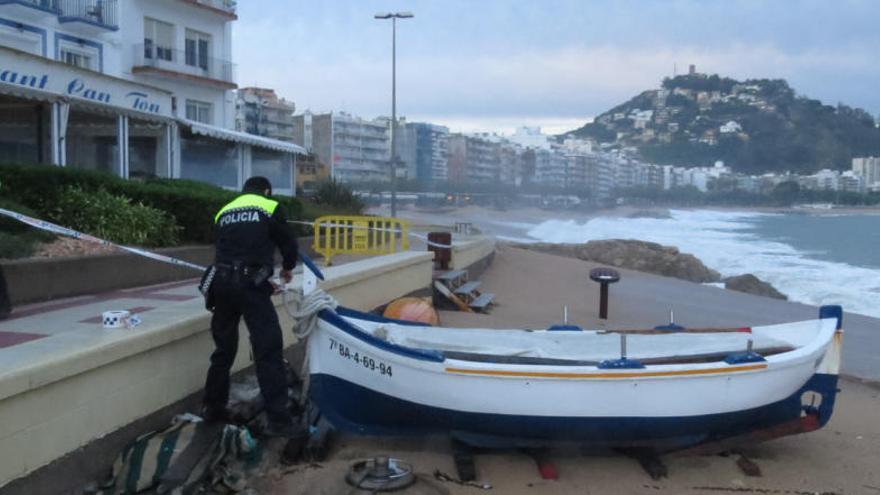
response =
{"points": [[726, 241]]}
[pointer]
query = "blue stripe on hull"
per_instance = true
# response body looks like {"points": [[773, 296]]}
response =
{"points": [[354, 408]]}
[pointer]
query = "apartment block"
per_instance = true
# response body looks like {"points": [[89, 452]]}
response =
{"points": [[868, 168], [262, 112], [356, 149], [473, 160], [423, 148]]}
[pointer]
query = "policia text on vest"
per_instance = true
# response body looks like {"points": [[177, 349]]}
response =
{"points": [[247, 232]]}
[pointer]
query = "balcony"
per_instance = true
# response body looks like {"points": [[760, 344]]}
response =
{"points": [[223, 8], [34, 10], [179, 64], [90, 17]]}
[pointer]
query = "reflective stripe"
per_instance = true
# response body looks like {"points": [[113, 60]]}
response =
{"points": [[249, 201], [643, 374]]}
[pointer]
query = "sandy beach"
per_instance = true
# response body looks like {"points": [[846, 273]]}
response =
{"points": [[531, 289]]}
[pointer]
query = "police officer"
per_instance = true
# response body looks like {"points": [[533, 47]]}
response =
{"points": [[247, 231]]}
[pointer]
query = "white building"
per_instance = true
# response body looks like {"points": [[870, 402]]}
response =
{"points": [[696, 177], [823, 180], [849, 181], [672, 176], [138, 88], [730, 127], [868, 168], [530, 137], [358, 150]]}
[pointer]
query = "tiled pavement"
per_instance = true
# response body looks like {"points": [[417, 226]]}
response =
{"points": [[35, 332]]}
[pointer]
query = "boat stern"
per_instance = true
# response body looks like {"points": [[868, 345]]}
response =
{"points": [[819, 393]]}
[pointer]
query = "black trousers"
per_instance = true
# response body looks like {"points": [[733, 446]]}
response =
{"points": [[255, 305]]}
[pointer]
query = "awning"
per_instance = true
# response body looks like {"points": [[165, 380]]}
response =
{"points": [[27, 93], [241, 137]]}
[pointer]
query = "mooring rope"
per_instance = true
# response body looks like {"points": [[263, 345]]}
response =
{"points": [[305, 322]]}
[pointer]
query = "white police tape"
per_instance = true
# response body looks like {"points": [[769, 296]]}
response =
{"points": [[360, 227], [57, 229]]}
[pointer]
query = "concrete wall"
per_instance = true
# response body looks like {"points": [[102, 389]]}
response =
{"points": [[466, 253], [34, 280], [45, 279], [49, 409]]}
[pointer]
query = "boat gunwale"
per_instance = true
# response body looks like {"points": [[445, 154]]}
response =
{"points": [[338, 317]]}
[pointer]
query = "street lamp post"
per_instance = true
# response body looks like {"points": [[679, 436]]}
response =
{"points": [[394, 16]]}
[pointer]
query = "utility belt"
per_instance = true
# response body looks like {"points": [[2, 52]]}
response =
{"points": [[240, 274], [235, 275]]}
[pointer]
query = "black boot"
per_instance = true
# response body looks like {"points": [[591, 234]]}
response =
{"points": [[216, 414]]}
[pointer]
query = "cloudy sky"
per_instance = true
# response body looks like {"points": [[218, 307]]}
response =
{"points": [[498, 64]]}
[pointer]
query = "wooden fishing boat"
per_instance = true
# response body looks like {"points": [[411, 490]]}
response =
{"points": [[665, 389]]}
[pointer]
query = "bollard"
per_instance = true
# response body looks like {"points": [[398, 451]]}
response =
{"points": [[604, 277], [442, 255]]}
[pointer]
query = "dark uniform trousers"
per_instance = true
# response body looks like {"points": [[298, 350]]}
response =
{"points": [[254, 303]]}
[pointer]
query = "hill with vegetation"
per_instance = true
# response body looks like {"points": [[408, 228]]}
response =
{"points": [[755, 126]]}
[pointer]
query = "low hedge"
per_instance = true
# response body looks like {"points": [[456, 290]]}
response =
{"points": [[115, 218], [192, 204], [18, 240]]}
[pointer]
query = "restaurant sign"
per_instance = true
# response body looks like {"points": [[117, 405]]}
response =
{"points": [[21, 70]]}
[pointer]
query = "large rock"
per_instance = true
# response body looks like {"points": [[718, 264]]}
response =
{"points": [[642, 256], [751, 284], [656, 214]]}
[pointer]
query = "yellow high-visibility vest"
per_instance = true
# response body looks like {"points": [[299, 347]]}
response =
{"points": [[249, 201]]}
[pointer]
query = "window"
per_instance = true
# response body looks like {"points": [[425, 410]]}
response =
{"points": [[198, 111], [79, 53], [158, 40], [275, 166], [77, 58], [20, 39], [209, 160], [197, 48]]}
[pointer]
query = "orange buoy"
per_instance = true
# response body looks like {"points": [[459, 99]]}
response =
{"points": [[412, 309]]}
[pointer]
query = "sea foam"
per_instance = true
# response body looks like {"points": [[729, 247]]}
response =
{"points": [[723, 240]]}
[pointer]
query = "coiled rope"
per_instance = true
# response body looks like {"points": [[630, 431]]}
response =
{"points": [[304, 311]]}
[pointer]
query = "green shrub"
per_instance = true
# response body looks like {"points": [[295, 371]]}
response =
{"points": [[192, 204], [14, 246], [13, 226], [193, 207], [338, 198], [114, 218]]}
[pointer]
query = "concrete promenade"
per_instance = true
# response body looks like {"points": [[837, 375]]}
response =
{"points": [[65, 380]]}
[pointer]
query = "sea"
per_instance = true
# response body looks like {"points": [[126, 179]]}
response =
{"points": [[812, 258]]}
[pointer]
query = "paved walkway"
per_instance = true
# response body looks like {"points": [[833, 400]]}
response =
{"points": [[38, 333]]}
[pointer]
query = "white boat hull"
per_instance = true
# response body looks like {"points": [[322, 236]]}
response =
{"points": [[367, 385]]}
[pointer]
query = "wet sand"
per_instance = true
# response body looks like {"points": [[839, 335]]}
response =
{"points": [[531, 289]]}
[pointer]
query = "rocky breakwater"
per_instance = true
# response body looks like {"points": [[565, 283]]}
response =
{"points": [[650, 257], [642, 256], [751, 284]]}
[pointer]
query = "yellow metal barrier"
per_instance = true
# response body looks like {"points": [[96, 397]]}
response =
{"points": [[343, 234]]}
